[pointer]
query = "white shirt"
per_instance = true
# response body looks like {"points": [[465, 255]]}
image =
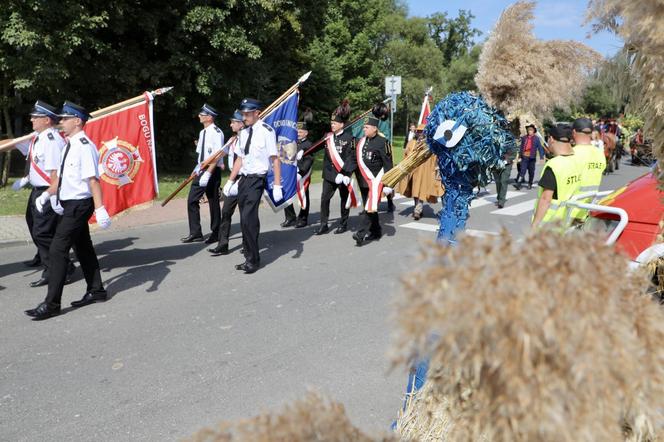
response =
{"points": [[263, 146], [80, 164], [46, 153], [210, 140]]}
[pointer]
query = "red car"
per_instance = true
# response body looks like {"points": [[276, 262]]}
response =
{"points": [[631, 216]]}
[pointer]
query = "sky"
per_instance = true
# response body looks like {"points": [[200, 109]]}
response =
{"points": [[561, 19]]}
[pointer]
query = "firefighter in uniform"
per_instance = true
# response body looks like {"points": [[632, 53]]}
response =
{"points": [[255, 151], [304, 165], [42, 163], [76, 195], [593, 162], [338, 165], [373, 160], [210, 141], [230, 202], [560, 180]]}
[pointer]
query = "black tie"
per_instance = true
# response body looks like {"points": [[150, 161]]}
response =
{"points": [[200, 157], [28, 159], [62, 169], [246, 146]]}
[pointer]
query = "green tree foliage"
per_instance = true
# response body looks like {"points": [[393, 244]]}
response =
{"points": [[100, 52]]}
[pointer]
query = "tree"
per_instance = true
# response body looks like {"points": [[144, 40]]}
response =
{"points": [[453, 36]]}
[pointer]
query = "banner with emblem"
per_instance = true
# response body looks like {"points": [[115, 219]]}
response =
{"points": [[127, 163], [283, 120]]}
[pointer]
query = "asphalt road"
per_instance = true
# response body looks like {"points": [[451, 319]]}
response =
{"points": [[187, 341]]}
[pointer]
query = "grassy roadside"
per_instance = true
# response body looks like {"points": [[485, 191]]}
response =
{"points": [[13, 203]]}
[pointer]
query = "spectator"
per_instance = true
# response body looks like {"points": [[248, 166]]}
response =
{"points": [[530, 146]]}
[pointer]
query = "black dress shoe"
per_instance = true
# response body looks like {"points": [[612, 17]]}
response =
{"points": [[219, 250], [247, 267], [40, 282], [372, 237], [192, 238], [517, 186], [341, 229], [359, 238], [89, 298], [322, 229], [43, 311], [34, 262], [300, 223], [530, 186], [500, 205], [288, 223], [212, 239]]}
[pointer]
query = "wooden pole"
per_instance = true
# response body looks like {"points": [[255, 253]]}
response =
{"points": [[8, 144]]}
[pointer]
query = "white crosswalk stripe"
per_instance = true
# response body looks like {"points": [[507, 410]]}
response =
{"points": [[434, 228], [491, 199], [516, 209]]}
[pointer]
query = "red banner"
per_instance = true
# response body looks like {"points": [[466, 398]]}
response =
{"points": [[127, 166]]}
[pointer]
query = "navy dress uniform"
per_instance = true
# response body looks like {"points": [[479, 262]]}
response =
{"points": [[341, 145], [77, 196], [230, 201], [304, 165], [256, 148], [43, 159], [374, 156], [210, 141]]}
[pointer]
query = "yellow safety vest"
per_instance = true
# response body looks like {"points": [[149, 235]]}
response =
{"points": [[593, 163], [568, 179]]}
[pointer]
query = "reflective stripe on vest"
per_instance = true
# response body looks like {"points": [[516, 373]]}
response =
{"points": [[568, 179]]}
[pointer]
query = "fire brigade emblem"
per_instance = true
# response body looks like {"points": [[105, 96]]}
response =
{"points": [[119, 162]]}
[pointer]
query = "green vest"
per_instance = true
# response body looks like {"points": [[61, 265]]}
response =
{"points": [[593, 163], [568, 179]]}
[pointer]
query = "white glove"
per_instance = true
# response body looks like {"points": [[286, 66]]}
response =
{"points": [[277, 193], [300, 154], [346, 180], [339, 178], [204, 179], [19, 184], [197, 170], [55, 205], [41, 200], [103, 220], [227, 188], [387, 190]]}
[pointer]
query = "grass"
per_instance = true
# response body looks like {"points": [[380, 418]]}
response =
{"points": [[13, 203]]}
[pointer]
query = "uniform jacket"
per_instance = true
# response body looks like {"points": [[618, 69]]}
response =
{"points": [[345, 145], [306, 162], [376, 155]]}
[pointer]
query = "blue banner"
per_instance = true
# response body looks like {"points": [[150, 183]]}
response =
{"points": [[283, 120]]}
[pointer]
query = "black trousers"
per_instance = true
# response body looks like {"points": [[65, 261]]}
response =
{"points": [[73, 231], [304, 213], [42, 227], [250, 191], [227, 210], [193, 206], [370, 222], [329, 187]]}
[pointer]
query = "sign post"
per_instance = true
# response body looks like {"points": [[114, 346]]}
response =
{"points": [[392, 89]]}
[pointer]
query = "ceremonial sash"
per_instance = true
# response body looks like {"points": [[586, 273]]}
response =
{"points": [[303, 183], [374, 182], [34, 165], [338, 163]]}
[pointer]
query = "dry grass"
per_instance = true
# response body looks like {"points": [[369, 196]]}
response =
{"points": [[548, 339], [641, 24], [311, 419], [519, 73]]}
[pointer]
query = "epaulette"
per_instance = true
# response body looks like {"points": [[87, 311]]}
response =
{"points": [[85, 141], [217, 129], [50, 136], [268, 127]]}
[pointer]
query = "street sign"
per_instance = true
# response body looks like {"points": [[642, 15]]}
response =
{"points": [[392, 86]]}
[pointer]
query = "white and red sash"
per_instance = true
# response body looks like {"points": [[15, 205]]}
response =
{"points": [[374, 182], [34, 165], [302, 185], [338, 163]]}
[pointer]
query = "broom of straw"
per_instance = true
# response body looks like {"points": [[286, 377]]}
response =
{"points": [[416, 158]]}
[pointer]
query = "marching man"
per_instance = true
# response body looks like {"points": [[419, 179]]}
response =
{"points": [[75, 195], [373, 161], [210, 140]]}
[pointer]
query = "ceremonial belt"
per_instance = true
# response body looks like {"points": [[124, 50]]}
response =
{"points": [[302, 185], [338, 163], [374, 182], [34, 165], [254, 175]]}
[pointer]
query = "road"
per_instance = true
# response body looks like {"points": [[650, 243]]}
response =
{"points": [[186, 341]]}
